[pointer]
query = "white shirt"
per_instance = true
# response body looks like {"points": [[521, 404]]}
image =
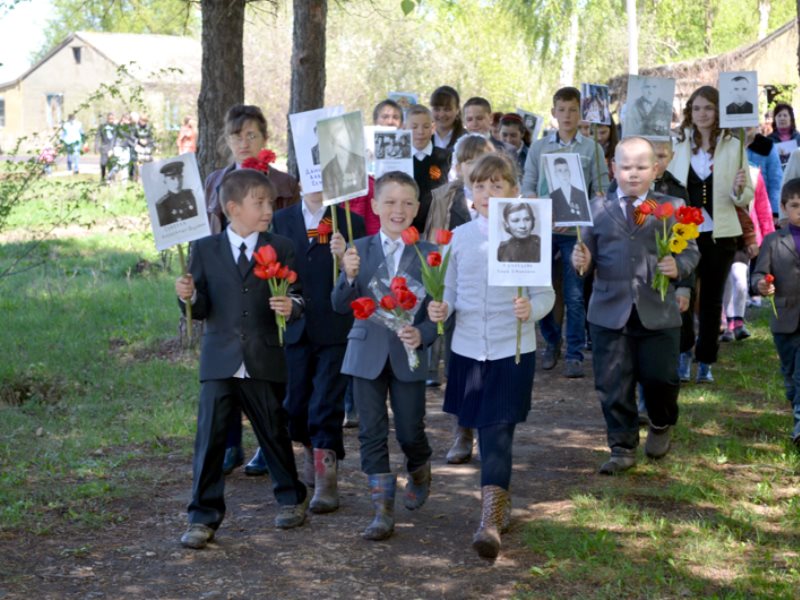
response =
{"points": [[624, 205], [236, 241], [424, 153], [442, 141], [312, 220], [703, 165]]}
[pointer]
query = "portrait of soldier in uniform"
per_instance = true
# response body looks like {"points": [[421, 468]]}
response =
{"points": [[177, 204]]}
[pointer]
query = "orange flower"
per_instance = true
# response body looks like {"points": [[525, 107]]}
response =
{"points": [[410, 236]]}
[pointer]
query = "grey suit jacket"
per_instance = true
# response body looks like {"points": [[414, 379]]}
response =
{"points": [[779, 256], [370, 343], [624, 259]]}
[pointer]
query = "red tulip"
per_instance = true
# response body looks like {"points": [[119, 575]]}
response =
{"points": [[443, 236], [388, 303], [272, 270], [410, 236], [434, 259], [398, 283], [645, 208], [769, 278], [283, 273], [406, 299], [664, 211], [362, 307], [265, 255], [291, 277], [260, 271]]}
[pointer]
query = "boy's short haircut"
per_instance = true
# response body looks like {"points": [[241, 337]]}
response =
{"points": [[478, 101], [628, 141], [790, 190], [471, 146], [237, 184], [383, 104], [561, 161], [513, 120], [494, 167], [565, 94], [418, 109], [395, 177], [741, 78]]}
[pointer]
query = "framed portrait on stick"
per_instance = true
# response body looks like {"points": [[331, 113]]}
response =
{"points": [[564, 176], [520, 249], [738, 99], [648, 108], [595, 106], [306, 145], [342, 154]]}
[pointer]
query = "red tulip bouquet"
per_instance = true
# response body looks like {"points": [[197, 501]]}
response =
{"points": [[396, 306], [434, 267], [686, 228], [279, 278]]}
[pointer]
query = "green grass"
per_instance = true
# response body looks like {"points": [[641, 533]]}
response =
{"points": [[717, 519], [81, 395]]}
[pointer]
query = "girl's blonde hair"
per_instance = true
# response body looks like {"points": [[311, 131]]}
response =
{"points": [[494, 167]]}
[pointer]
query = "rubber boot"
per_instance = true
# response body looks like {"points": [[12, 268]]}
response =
{"points": [[382, 487], [418, 487], [326, 493], [461, 450], [495, 515], [308, 466]]}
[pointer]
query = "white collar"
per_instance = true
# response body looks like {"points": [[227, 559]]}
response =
{"points": [[426, 151], [307, 212], [622, 195], [554, 139], [236, 240]]}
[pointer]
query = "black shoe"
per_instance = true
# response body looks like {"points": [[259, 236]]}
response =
{"points": [[234, 457], [432, 383], [550, 356], [351, 419], [257, 465]]}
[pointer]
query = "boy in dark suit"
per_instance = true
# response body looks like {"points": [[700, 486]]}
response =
{"points": [[780, 258], [315, 345], [241, 361], [635, 335], [431, 164], [376, 357]]}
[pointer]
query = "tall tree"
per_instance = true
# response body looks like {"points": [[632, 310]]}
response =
{"points": [[308, 63], [222, 83]]}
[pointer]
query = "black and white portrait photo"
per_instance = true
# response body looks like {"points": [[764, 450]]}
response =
{"points": [[738, 99], [532, 121], [520, 241], [306, 145], [648, 109], [175, 200], [392, 151], [343, 157], [567, 189], [595, 104]]}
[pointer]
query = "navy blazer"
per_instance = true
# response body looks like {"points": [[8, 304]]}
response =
{"points": [[240, 325], [369, 344], [314, 266], [624, 259]]}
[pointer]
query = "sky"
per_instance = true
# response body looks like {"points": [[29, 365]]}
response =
{"points": [[21, 33]]}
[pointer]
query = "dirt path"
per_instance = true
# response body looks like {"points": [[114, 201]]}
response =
{"points": [[428, 557]]}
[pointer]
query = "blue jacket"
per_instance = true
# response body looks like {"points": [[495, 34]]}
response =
{"points": [[763, 154]]}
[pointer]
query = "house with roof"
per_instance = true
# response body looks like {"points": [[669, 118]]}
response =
{"points": [[165, 70]]}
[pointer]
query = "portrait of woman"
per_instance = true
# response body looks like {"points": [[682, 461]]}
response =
{"points": [[524, 245]]}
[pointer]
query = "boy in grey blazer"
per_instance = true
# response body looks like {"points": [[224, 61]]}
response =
{"points": [[635, 335], [780, 257], [377, 360]]}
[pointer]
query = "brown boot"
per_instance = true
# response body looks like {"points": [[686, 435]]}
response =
{"points": [[495, 504], [418, 487], [308, 466], [326, 493], [461, 450]]}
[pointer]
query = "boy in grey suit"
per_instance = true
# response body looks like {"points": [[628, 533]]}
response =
{"points": [[635, 335], [377, 360], [780, 257]]}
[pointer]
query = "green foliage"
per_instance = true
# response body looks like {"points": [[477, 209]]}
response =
{"points": [[172, 17]]}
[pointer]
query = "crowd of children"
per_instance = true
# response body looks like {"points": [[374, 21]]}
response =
{"points": [[463, 155]]}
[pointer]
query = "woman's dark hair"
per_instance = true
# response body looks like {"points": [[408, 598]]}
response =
{"points": [[513, 119], [445, 95], [235, 118], [383, 104], [710, 94], [788, 108], [613, 140]]}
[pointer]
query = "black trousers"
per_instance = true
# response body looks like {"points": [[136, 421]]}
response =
{"points": [[495, 443], [716, 258], [261, 402], [623, 357], [315, 394], [408, 405]]}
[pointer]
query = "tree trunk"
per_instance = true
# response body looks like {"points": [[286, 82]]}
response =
{"points": [[222, 83], [308, 64], [764, 8], [567, 76]]}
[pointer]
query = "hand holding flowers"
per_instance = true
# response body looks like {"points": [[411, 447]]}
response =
{"points": [[766, 287], [434, 267], [279, 278]]}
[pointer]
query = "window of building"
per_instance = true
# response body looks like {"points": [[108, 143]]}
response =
{"points": [[76, 54]]}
